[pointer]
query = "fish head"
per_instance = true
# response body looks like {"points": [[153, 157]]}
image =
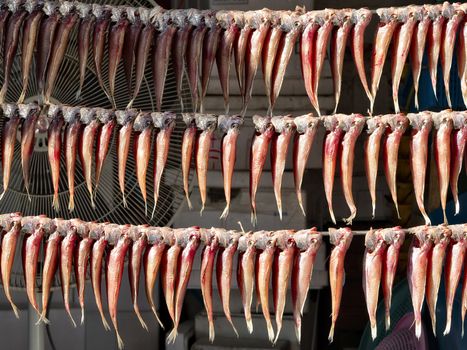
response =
{"points": [[132, 14], [448, 10], [285, 239], [228, 123], [306, 123], [394, 236], [163, 121], [442, 119], [206, 122], [143, 120], [118, 14], [96, 230], [168, 235], [435, 11], [421, 121], [283, 124], [154, 235], [81, 227], [459, 120], [84, 10], [126, 116], [440, 235], [70, 113], [179, 17], [105, 115], [87, 115], [196, 17], [144, 15], [10, 110], [362, 17], [387, 15], [27, 109], [47, 224], [397, 122], [374, 241], [259, 20], [263, 124], [246, 241], [291, 22], [332, 122], [341, 237], [54, 112], [459, 233], [66, 7], [353, 123], [189, 119], [32, 5], [375, 123], [15, 5], [238, 18], [421, 237]]}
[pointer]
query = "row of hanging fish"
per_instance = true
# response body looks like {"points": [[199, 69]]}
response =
{"points": [[263, 256]]}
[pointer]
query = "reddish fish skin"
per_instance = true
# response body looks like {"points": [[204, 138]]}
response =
{"points": [[458, 140], [282, 270], [85, 29], [376, 127], [339, 37], [397, 125], [230, 126], [264, 131], [417, 48], [394, 238], [245, 274], [353, 126], [86, 147], [462, 57], [152, 263], [224, 264], [101, 28], [421, 128], [104, 138], [9, 243], [11, 112], [133, 30], [307, 248], [361, 18], [59, 46], [189, 241], [260, 21], [419, 252], [271, 44], [306, 126], [165, 122], [442, 148], [400, 48], [372, 269], [455, 18], [434, 42], [319, 52], [134, 268], [142, 150], [188, 142], [386, 27], [224, 53], [72, 134], [14, 25], [115, 265], [67, 251], [30, 112], [55, 149], [207, 265], [441, 239], [30, 32], [97, 257], [240, 46], [210, 45], [340, 239], [193, 54], [125, 119], [335, 133], [4, 15], [285, 129], [207, 124]]}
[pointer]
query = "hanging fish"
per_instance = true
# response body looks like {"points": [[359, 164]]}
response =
{"points": [[240, 47], [59, 45], [462, 56], [86, 28], [307, 41], [434, 42], [67, 251], [246, 274], [102, 14], [104, 138], [54, 146], [131, 37], [169, 269], [458, 140], [188, 143], [165, 124], [11, 112], [4, 16]]}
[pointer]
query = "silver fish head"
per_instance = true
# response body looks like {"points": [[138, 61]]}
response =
{"points": [[375, 123], [82, 228], [27, 109], [206, 121], [142, 121], [421, 121], [283, 124], [388, 14], [132, 14], [179, 18], [285, 239], [341, 237], [225, 18], [189, 119], [32, 5], [97, 230], [118, 13], [459, 120], [66, 7], [15, 5], [443, 118], [144, 15], [448, 10], [435, 11], [105, 115], [374, 241], [459, 232], [332, 122], [54, 111], [239, 18], [291, 22], [87, 114], [353, 123], [210, 18], [397, 122], [306, 122], [196, 17], [50, 7], [393, 236], [421, 237], [262, 123], [10, 110], [362, 16], [126, 116], [440, 235], [165, 120], [84, 10], [226, 122]]}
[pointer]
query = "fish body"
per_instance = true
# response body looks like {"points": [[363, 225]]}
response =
{"points": [[271, 46], [434, 42], [376, 129], [264, 131], [169, 272], [101, 28], [308, 243], [285, 129], [339, 38], [85, 29], [188, 143], [104, 138], [421, 128], [130, 41], [54, 146], [397, 125], [67, 251], [11, 112], [206, 123], [97, 258], [458, 140], [334, 135], [462, 59], [372, 269], [419, 253], [240, 47], [165, 122], [72, 134], [306, 127], [4, 16], [231, 127], [340, 239], [246, 275], [384, 33]]}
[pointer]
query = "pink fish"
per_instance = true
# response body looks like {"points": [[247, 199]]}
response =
{"points": [[340, 239], [454, 19], [352, 126], [240, 47], [421, 128], [372, 270], [417, 48], [54, 147], [441, 237], [419, 253], [397, 125], [4, 15], [230, 125], [285, 129], [376, 127], [165, 123], [462, 57], [308, 243], [102, 14], [169, 270], [307, 47], [339, 35], [208, 256], [85, 30], [458, 140], [394, 238], [264, 132], [306, 126], [386, 27], [206, 123], [67, 251], [334, 134], [130, 42], [104, 139], [400, 48], [246, 274], [11, 112], [434, 41], [188, 143]]}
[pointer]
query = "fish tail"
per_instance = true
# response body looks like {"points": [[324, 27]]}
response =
{"points": [[140, 318], [145, 208], [119, 340], [331, 333], [331, 212], [445, 217], [23, 93], [388, 321], [157, 316], [279, 208], [225, 213], [82, 314], [300, 202], [211, 332], [233, 326], [104, 322], [433, 322], [254, 219], [418, 328], [373, 205], [130, 104], [15, 308], [71, 203], [416, 99], [56, 203], [249, 324], [374, 331], [188, 201], [448, 324], [3, 193], [42, 318], [278, 326], [67, 308], [352, 216], [78, 94], [93, 204], [270, 331], [456, 204], [153, 210], [182, 106], [172, 336], [298, 333], [226, 106], [125, 205]]}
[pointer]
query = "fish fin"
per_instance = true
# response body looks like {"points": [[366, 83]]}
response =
{"points": [[105, 323], [82, 315], [300, 202], [157, 317], [119, 340], [457, 207], [374, 332], [125, 205], [172, 336], [279, 327], [225, 213], [56, 203], [211, 332], [1, 195], [71, 203], [201, 211], [447, 330], [15, 309], [270, 332], [249, 325], [331, 333], [298, 333]]}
